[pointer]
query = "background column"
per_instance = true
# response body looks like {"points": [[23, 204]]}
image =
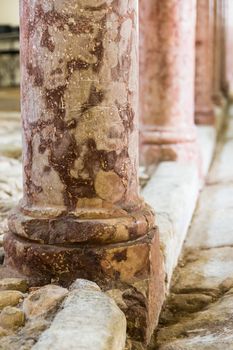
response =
{"points": [[204, 112], [167, 62]]}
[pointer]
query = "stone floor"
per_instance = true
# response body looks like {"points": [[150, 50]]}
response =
{"points": [[198, 314]]}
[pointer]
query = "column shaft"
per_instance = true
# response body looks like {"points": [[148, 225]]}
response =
{"points": [[204, 112], [229, 47], [81, 214], [167, 61], [218, 47]]}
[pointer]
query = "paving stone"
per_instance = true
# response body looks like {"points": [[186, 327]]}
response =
{"points": [[43, 300], [10, 298], [206, 330], [204, 270], [14, 284], [11, 318], [212, 222]]}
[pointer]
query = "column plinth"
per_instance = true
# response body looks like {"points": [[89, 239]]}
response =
{"points": [[167, 62], [81, 215]]}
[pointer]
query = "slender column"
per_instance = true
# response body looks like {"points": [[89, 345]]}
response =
{"points": [[229, 47], [218, 47], [167, 61], [223, 12], [204, 111], [81, 214]]}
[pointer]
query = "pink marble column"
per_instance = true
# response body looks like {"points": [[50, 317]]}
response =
{"points": [[204, 111], [167, 62], [218, 54], [229, 47], [81, 214]]}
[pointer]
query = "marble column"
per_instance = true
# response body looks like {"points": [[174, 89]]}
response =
{"points": [[218, 48], [204, 111], [81, 214], [167, 62], [229, 48]]}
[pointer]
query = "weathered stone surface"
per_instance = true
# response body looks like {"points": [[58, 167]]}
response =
{"points": [[14, 284], [204, 270], [134, 268], [3, 333], [10, 135], [25, 337], [206, 139], [84, 284], [173, 220], [10, 298], [43, 300], [212, 222], [89, 320], [198, 314], [222, 168], [205, 330], [11, 318], [10, 187]]}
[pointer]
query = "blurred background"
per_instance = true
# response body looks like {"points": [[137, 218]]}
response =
{"points": [[9, 55]]}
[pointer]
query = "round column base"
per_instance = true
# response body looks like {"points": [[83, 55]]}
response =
{"points": [[205, 117], [133, 270], [185, 152]]}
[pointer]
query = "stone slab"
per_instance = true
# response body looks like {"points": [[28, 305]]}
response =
{"points": [[205, 271], [210, 329], [212, 222], [222, 170], [206, 136], [89, 320], [172, 192]]}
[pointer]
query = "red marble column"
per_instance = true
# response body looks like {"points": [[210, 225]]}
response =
{"points": [[167, 62], [81, 214], [204, 111]]}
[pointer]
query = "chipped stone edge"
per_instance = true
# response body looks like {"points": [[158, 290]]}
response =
{"points": [[173, 191]]}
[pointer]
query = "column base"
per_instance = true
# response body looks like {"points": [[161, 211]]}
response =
{"points": [[205, 117], [219, 99], [131, 271], [151, 153]]}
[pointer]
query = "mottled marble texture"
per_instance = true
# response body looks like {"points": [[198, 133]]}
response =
{"points": [[80, 119], [167, 61], [204, 113], [81, 213]]}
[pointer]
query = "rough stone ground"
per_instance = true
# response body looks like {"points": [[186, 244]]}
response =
{"points": [[198, 314]]}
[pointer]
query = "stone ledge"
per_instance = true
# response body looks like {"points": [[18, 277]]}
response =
{"points": [[172, 192]]}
